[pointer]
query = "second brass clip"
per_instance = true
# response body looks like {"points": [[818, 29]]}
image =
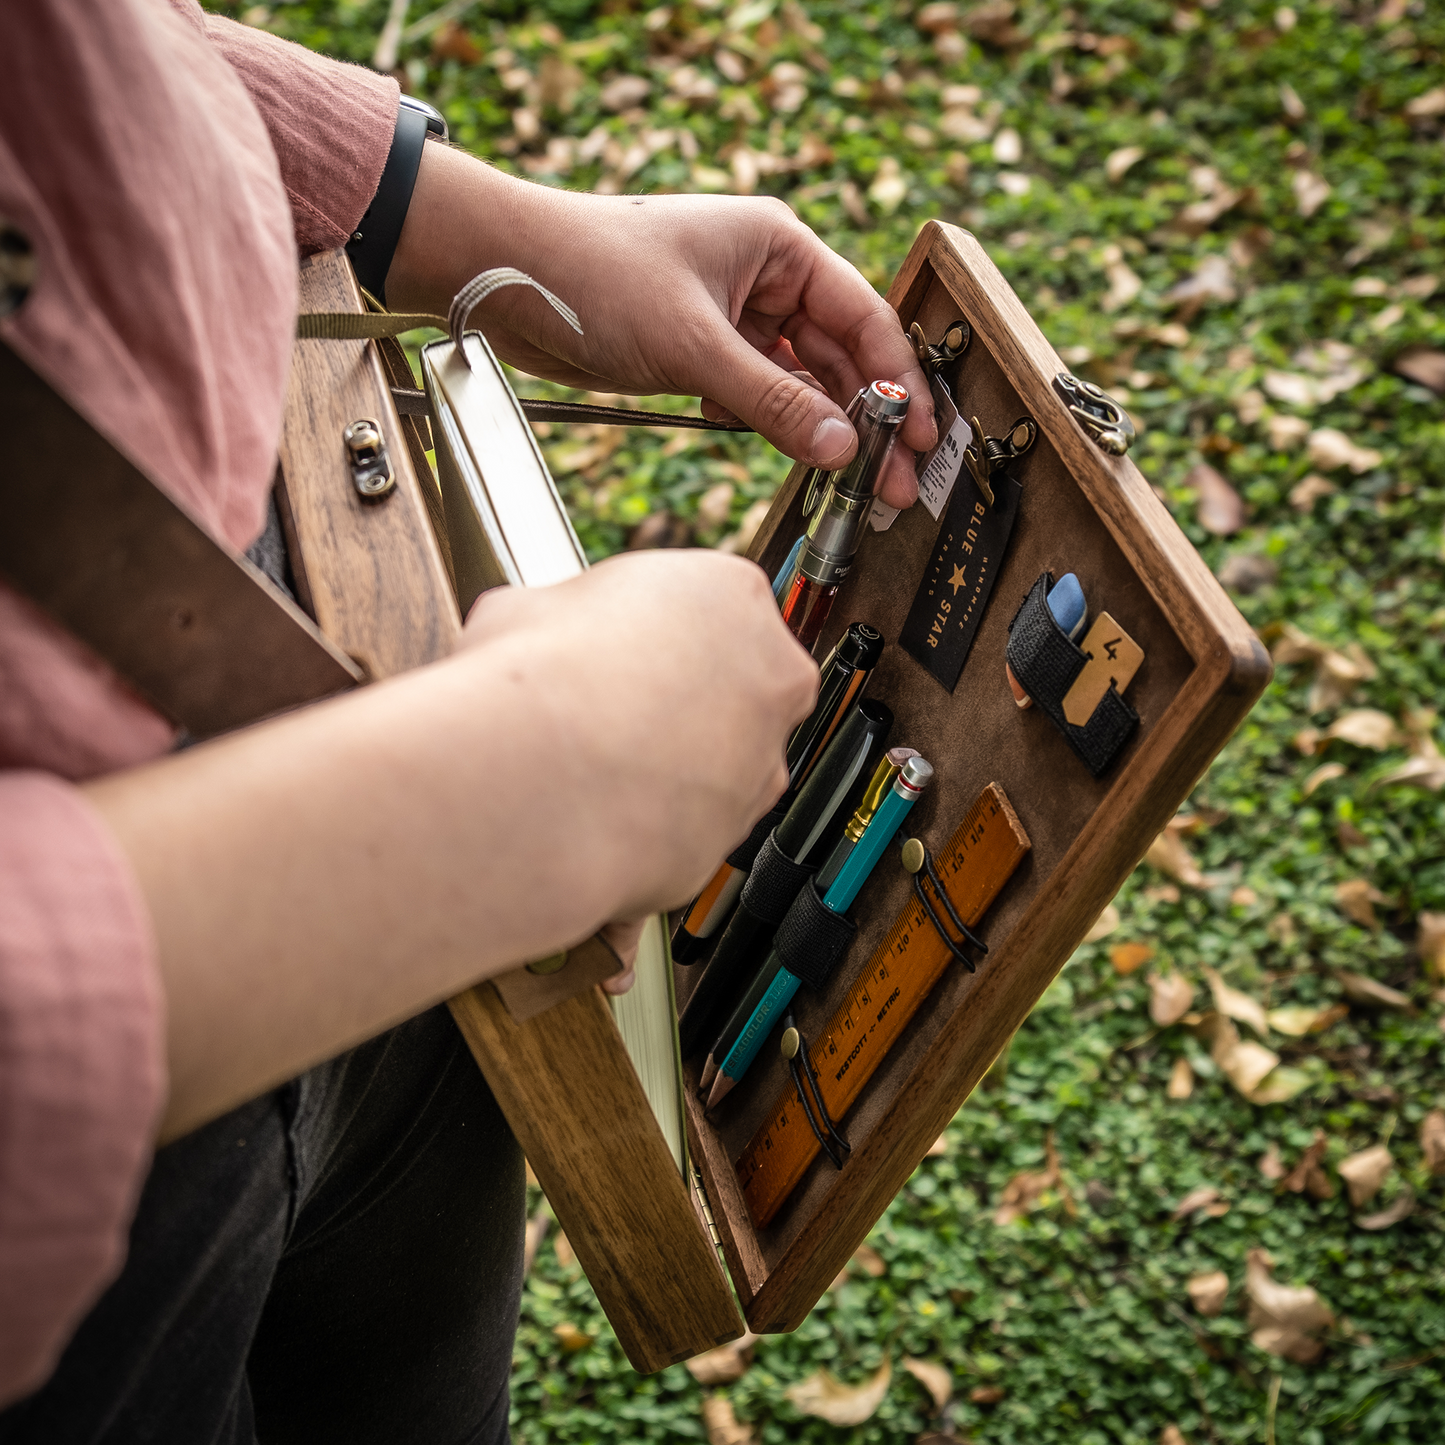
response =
{"points": [[805, 1080], [934, 357], [918, 861], [985, 456]]}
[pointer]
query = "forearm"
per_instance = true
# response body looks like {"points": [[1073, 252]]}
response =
{"points": [[318, 878]]}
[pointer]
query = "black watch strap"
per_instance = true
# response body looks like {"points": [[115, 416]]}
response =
{"points": [[373, 243]]}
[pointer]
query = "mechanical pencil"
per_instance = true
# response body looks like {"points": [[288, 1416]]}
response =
{"points": [[915, 775]]}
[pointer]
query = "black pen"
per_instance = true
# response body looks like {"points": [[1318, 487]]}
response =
{"points": [[845, 674], [799, 833]]}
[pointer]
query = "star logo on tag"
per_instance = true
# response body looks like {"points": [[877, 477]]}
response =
{"points": [[957, 580]]}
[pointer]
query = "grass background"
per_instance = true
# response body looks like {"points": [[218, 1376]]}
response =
{"points": [[1077, 1313]]}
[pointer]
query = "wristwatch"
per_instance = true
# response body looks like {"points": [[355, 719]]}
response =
{"points": [[373, 242]]}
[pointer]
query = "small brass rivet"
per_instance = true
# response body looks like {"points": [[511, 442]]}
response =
{"points": [[913, 855], [789, 1043], [544, 966]]}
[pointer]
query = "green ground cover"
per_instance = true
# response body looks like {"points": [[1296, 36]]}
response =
{"points": [[1230, 215]]}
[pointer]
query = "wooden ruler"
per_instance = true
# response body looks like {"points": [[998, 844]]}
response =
{"points": [[974, 866]]}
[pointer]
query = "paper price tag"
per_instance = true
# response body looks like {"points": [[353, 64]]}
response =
{"points": [[938, 471]]}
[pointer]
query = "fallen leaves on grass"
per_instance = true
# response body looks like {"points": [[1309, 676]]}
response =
{"points": [[1359, 989], [933, 1377], [1426, 767], [1172, 1435], [1365, 1172], [1181, 1080], [986, 1394], [1170, 854], [1254, 1070], [829, 1399], [1365, 727], [1356, 899], [1205, 1198], [1235, 1004], [1127, 957], [1121, 161], [1330, 449], [1104, 925], [1271, 1166], [571, 1338], [1308, 1176], [724, 1364], [1308, 490], [1208, 1292], [1325, 773], [1297, 1020], [1171, 996], [1402, 1208], [1424, 365], [1220, 508], [1338, 671], [1284, 1319], [1432, 1140], [1310, 191], [1026, 1188], [1212, 281], [1430, 941], [1124, 285], [722, 1425]]}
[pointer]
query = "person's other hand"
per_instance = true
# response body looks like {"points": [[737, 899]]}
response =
{"points": [[664, 686], [730, 299]]}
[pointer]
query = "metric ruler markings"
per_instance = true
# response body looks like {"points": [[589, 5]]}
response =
{"points": [[978, 860]]}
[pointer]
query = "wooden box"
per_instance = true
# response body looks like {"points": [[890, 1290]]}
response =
{"points": [[1082, 511]]}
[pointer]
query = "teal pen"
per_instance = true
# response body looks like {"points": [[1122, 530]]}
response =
{"points": [[916, 775]]}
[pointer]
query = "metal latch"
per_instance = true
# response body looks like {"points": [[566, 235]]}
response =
{"points": [[371, 472], [1106, 422]]}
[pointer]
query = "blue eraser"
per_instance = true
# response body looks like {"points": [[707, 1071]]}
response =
{"points": [[1066, 602]]}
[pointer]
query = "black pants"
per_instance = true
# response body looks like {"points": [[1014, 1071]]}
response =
{"points": [[340, 1260]]}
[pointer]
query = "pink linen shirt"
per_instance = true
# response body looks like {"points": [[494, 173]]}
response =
{"points": [[166, 166]]}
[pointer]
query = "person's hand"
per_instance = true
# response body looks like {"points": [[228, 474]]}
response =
{"points": [[665, 686], [730, 299]]}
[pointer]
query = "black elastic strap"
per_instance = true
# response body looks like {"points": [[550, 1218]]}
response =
{"points": [[373, 243], [810, 1096], [773, 883], [746, 853], [1046, 662], [812, 939]]}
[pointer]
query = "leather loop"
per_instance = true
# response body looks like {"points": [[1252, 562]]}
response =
{"points": [[812, 939], [773, 883], [1046, 662]]}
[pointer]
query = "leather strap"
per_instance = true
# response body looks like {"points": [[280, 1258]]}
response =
{"points": [[101, 548]]}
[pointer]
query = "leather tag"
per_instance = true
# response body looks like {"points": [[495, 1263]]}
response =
{"points": [[1113, 656], [959, 576]]}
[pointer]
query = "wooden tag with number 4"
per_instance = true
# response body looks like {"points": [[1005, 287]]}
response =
{"points": [[1113, 656]]}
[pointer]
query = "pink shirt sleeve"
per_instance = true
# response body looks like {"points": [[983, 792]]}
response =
{"points": [[149, 152], [81, 1072]]}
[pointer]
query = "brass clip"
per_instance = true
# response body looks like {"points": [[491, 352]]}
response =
{"points": [[1106, 422], [933, 358], [985, 456]]}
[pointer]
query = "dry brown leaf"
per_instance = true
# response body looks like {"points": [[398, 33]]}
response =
{"points": [[715, 505], [1212, 281], [1424, 365], [722, 1426], [625, 92], [1285, 1319], [867, 1260], [1271, 1166], [1181, 1080], [1104, 925], [1120, 161], [1431, 103], [1286, 432], [1245, 1065], [992, 23], [890, 186], [571, 1338], [1365, 1172], [1402, 1208], [938, 1148], [1308, 490], [1308, 1176], [986, 1394], [1290, 103], [1124, 284], [1430, 942], [1325, 773], [1310, 191], [1169, 854], [724, 1364], [1359, 989], [1172, 1435], [1330, 449], [1127, 957], [933, 1377], [1201, 1198], [1297, 1020], [1237, 1005], [1208, 1292], [1171, 996], [451, 42], [1027, 1187], [839, 1404], [1220, 508], [1366, 727], [1432, 1140], [1356, 899], [562, 1248], [936, 18]]}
